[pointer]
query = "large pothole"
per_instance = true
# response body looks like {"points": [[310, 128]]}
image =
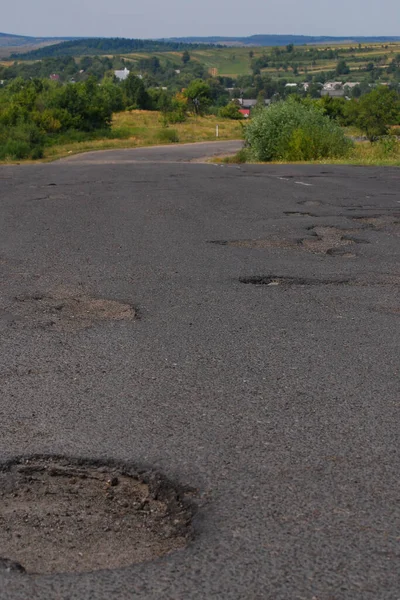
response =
{"points": [[70, 311], [61, 515], [331, 241]]}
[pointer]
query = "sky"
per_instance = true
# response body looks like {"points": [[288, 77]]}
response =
{"points": [[169, 18]]}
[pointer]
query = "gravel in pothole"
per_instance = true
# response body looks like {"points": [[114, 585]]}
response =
{"points": [[59, 515], [63, 311]]}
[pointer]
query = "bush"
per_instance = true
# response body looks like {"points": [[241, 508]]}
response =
{"points": [[37, 153], [15, 149], [230, 111], [238, 158], [388, 146], [176, 116], [294, 131], [168, 135]]}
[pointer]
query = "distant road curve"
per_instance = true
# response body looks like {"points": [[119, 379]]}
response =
{"points": [[173, 153]]}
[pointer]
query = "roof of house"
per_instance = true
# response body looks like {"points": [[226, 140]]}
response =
{"points": [[332, 85], [250, 102], [122, 74]]}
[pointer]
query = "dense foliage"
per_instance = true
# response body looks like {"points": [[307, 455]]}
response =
{"points": [[36, 112], [294, 131], [87, 46]]}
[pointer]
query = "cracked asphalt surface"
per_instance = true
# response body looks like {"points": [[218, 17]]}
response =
{"points": [[279, 404]]}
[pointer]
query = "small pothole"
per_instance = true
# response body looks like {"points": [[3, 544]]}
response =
{"points": [[272, 280], [294, 213], [75, 311], [61, 515], [341, 251], [372, 279], [387, 223]]}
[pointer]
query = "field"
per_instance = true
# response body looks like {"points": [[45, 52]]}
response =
{"points": [[235, 61], [293, 65]]}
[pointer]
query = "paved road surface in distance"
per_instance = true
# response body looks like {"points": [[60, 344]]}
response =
{"points": [[279, 402]]}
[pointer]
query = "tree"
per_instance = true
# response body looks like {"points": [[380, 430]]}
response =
{"points": [[342, 68], [185, 57], [198, 94], [375, 112], [231, 111], [289, 48], [135, 92]]}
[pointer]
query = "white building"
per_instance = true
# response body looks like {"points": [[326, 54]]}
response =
{"points": [[122, 75]]}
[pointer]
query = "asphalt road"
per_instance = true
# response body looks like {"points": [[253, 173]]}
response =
{"points": [[279, 403]]}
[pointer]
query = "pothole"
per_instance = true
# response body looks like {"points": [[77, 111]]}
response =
{"points": [[294, 213], [372, 279], [389, 223], [342, 252], [261, 243], [70, 311], [272, 280], [327, 240], [321, 240], [310, 203], [61, 515]]}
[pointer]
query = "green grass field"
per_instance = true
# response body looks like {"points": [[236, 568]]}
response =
{"points": [[235, 61]]}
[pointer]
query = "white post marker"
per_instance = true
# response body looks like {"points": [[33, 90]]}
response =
{"points": [[217, 131]]}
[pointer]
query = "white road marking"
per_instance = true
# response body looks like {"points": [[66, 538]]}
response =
{"points": [[302, 183], [284, 178]]}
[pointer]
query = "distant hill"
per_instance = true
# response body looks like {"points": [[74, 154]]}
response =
{"points": [[9, 40], [282, 40], [33, 48]]}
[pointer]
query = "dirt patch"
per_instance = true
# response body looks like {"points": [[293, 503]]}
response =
{"points": [[60, 515], [70, 312]]}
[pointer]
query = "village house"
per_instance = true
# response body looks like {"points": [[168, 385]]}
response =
{"points": [[333, 89], [249, 103], [122, 75]]}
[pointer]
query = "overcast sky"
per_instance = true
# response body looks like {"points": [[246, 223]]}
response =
{"points": [[167, 18]]}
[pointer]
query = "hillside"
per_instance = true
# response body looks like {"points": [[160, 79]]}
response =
{"points": [[93, 46]]}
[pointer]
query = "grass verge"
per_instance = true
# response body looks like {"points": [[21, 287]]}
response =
{"points": [[364, 154], [139, 128]]}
